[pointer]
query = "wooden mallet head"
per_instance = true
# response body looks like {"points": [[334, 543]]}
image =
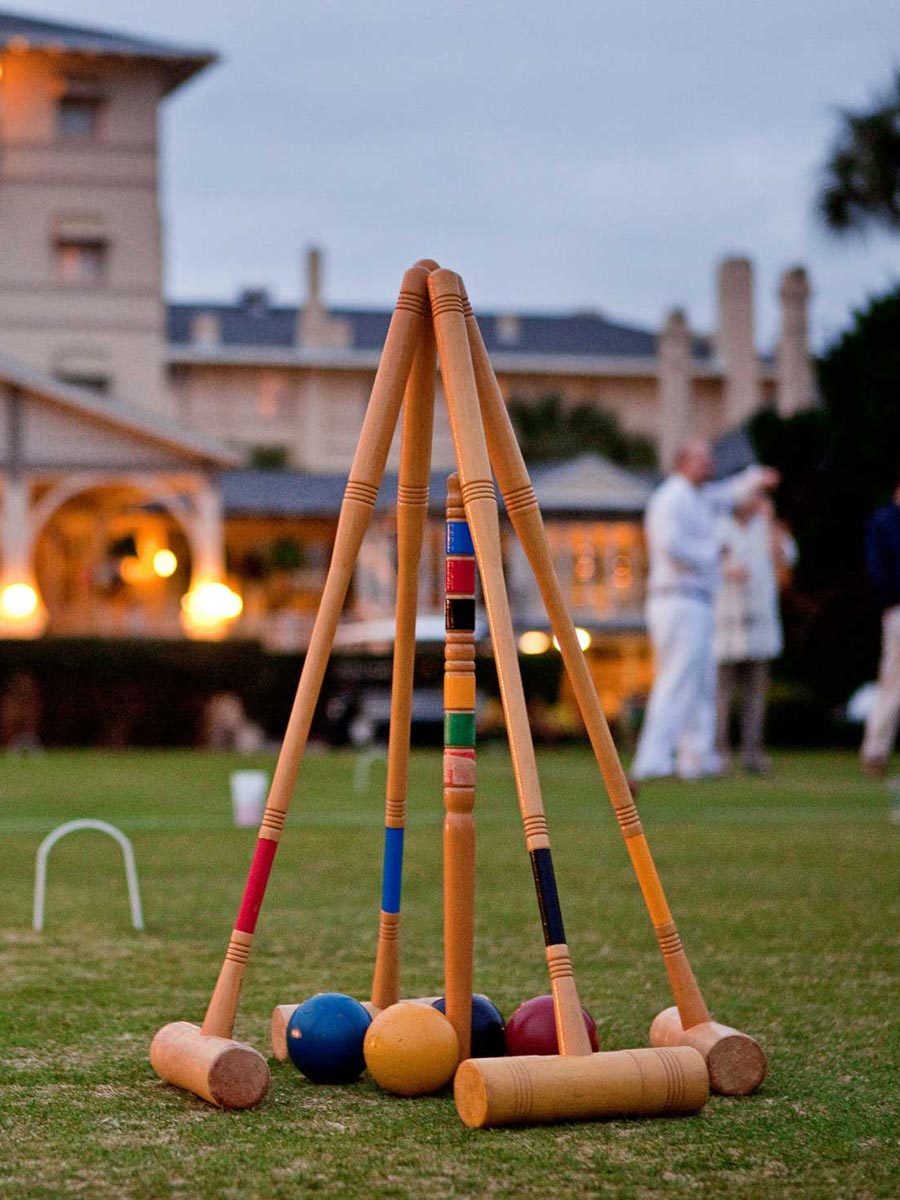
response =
{"points": [[736, 1063], [537, 1089], [221, 1070]]}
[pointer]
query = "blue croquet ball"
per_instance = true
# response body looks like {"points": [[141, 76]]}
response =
{"points": [[325, 1038], [488, 1027]]}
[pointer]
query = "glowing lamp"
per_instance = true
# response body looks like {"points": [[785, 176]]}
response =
{"points": [[534, 642], [165, 564], [210, 604], [18, 601], [584, 638]]}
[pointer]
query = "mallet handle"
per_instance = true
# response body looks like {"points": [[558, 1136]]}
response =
{"points": [[357, 506], [459, 769], [522, 510], [481, 510], [412, 516]]}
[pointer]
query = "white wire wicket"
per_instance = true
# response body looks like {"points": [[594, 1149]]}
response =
{"points": [[40, 871]]}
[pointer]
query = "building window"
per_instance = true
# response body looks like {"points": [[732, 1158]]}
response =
{"points": [[90, 381], [269, 396], [81, 261], [78, 116]]}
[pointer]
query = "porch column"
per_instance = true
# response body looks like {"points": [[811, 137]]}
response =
{"points": [[208, 549], [22, 612], [210, 605]]}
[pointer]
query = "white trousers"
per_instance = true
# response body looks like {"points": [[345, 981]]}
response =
{"points": [[680, 722], [881, 726]]}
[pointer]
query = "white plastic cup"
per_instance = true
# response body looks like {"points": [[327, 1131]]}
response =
{"points": [[248, 797]]}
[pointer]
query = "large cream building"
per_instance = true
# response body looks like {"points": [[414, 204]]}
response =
{"points": [[125, 421], [296, 378]]}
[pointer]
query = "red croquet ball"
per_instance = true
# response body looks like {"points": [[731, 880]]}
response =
{"points": [[532, 1028]]}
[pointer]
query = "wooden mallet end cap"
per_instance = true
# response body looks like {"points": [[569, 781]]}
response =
{"points": [[736, 1063], [220, 1070]]}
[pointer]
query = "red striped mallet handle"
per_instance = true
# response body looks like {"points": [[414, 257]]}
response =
{"points": [[366, 473]]}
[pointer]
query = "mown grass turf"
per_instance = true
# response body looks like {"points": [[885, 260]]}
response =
{"points": [[785, 891]]}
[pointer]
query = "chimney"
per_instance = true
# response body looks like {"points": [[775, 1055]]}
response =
{"points": [[507, 329], [795, 386], [674, 387], [315, 327], [735, 342], [313, 276], [255, 300], [205, 329]]}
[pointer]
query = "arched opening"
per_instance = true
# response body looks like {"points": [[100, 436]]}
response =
{"points": [[111, 561]]}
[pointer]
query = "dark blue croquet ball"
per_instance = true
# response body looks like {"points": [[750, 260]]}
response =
{"points": [[488, 1027], [325, 1038]]}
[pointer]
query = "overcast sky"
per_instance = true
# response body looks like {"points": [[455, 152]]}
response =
{"points": [[561, 154]]}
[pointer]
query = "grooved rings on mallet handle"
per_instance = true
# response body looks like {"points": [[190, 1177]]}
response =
{"points": [[537, 1089]]}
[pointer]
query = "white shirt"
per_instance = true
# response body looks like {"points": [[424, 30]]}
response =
{"points": [[748, 625], [680, 525]]}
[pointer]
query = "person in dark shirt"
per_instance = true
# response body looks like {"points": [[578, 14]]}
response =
{"points": [[883, 561]]}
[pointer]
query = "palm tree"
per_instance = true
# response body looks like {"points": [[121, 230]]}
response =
{"points": [[861, 178]]}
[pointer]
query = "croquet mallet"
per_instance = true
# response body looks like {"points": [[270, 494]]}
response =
{"points": [[206, 1059], [517, 1092], [736, 1063]]}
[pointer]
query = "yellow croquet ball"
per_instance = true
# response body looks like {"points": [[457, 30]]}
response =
{"points": [[411, 1049]]}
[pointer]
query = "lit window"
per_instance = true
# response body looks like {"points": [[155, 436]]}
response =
{"points": [[78, 116], [81, 261]]}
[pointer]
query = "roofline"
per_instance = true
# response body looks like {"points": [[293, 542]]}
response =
{"points": [[326, 359], [181, 63], [117, 415]]}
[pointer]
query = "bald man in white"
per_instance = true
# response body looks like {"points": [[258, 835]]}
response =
{"points": [[678, 736]]}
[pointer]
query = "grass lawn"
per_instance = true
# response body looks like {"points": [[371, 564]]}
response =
{"points": [[785, 892]]}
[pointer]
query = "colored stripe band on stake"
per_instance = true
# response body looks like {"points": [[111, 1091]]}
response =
{"points": [[393, 870], [257, 878], [548, 897], [459, 577], [459, 767], [459, 729], [459, 614], [459, 692], [459, 539]]}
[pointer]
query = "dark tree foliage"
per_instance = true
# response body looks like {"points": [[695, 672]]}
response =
{"points": [[860, 184], [550, 431], [839, 463]]}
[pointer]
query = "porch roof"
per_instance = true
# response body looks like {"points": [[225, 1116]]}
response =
{"points": [[93, 415], [586, 486]]}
